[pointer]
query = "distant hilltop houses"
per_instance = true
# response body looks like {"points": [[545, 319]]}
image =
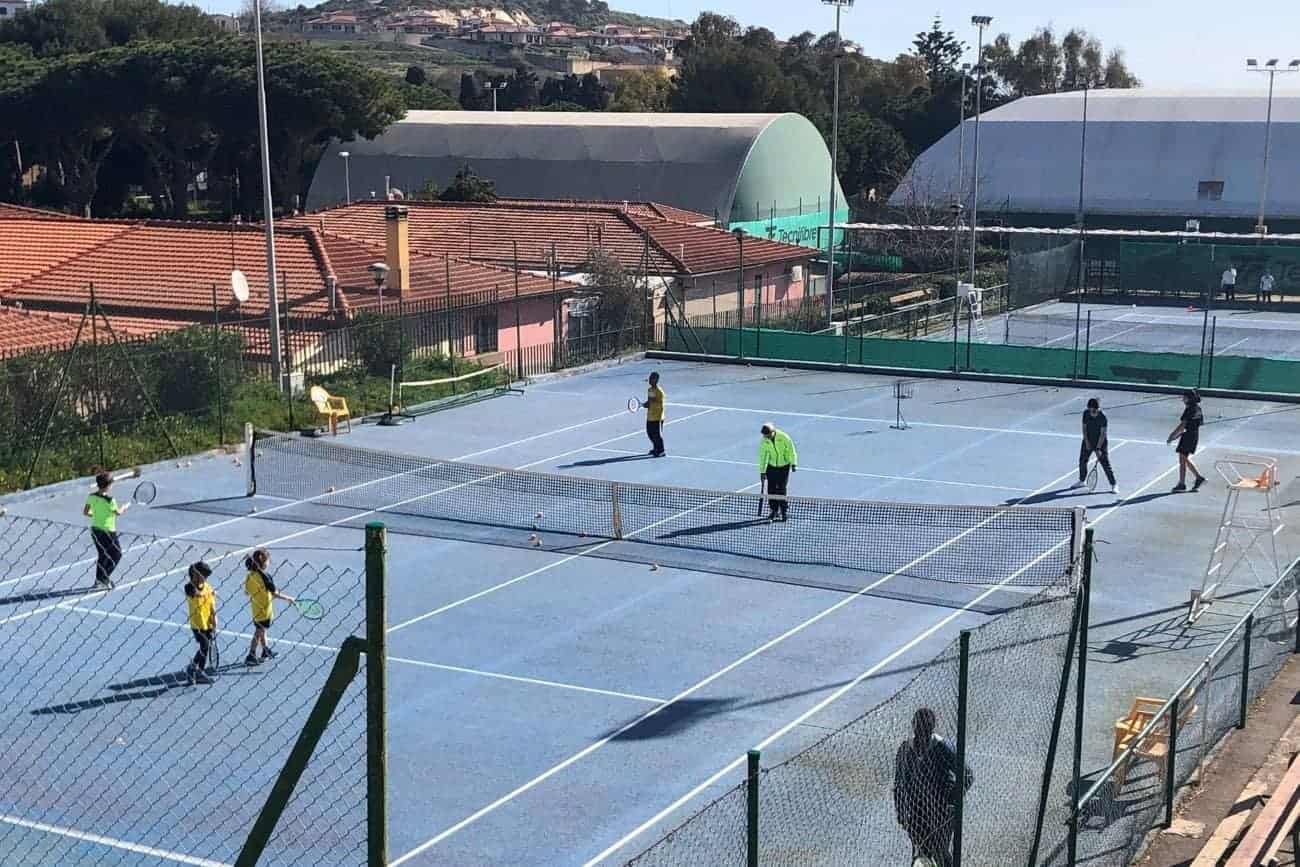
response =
{"points": [[481, 31], [10, 8]]}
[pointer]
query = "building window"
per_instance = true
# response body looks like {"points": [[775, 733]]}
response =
{"points": [[1210, 191], [485, 333]]}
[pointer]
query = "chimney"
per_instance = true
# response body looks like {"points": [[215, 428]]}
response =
{"points": [[332, 288], [398, 249]]}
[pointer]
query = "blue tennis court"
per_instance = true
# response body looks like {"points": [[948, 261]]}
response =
{"points": [[556, 698]]}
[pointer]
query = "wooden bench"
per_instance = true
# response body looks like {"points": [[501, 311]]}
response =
{"points": [[907, 297], [1279, 819]]}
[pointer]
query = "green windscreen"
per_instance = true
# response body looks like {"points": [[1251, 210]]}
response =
{"points": [[1235, 373]]}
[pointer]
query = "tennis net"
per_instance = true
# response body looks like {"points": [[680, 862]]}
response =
{"points": [[408, 399], [981, 545]]}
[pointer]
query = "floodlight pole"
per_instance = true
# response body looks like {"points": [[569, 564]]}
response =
{"points": [[496, 88], [1272, 69], [835, 157], [273, 303], [980, 21], [1078, 217], [959, 201]]}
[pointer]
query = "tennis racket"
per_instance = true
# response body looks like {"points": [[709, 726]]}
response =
{"points": [[1092, 476], [214, 653], [309, 609], [144, 493], [633, 404]]}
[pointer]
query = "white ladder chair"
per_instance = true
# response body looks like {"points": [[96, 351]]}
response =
{"points": [[1247, 537]]}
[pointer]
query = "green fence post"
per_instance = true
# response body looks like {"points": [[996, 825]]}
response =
{"points": [[346, 664], [1087, 345], [376, 709], [751, 813], [1076, 771], [1245, 671], [1209, 376], [1171, 762], [963, 676]]}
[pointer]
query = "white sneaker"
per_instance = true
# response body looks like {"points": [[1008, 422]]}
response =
{"points": [[1076, 486], [1114, 489]]}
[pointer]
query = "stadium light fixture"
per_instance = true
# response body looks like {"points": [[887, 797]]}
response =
{"points": [[347, 177], [1271, 69], [495, 89], [980, 21], [839, 5]]}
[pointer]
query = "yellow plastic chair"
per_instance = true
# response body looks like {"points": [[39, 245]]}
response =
{"points": [[331, 409]]}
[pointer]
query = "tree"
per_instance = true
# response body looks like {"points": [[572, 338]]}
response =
{"points": [[523, 90], [642, 90], [425, 97], [873, 155], [58, 27], [1040, 64], [585, 92], [941, 51], [472, 97], [469, 187], [622, 298], [416, 75]]}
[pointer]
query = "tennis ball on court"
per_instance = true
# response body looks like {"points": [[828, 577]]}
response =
{"points": [[532, 537], [330, 489], [654, 567]]}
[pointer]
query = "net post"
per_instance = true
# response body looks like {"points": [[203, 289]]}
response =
{"points": [[616, 510], [1209, 376], [751, 810], [1171, 761], [1245, 671], [376, 710], [1080, 692], [955, 366], [250, 460], [963, 689]]}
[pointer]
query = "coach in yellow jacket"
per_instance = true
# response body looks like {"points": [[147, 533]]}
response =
{"points": [[776, 460]]}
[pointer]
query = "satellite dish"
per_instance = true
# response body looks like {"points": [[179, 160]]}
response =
{"points": [[239, 285]]}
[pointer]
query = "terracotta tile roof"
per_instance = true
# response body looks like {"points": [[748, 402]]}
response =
{"points": [[24, 331], [33, 246], [161, 270], [643, 209], [351, 260], [488, 232], [10, 211]]}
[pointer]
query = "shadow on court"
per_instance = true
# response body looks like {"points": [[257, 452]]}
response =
{"points": [[143, 689], [46, 595], [600, 462]]}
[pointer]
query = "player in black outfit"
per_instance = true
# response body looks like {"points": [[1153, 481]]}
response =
{"points": [[1188, 434], [1094, 440]]}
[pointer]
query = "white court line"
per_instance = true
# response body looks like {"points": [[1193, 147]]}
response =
{"points": [[967, 427], [272, 542], [54, 570], [835, 696], [111, 842], [555, 769], [549, 566], [1231, 346], [1102, 340], [804, 469], [476, 672]]}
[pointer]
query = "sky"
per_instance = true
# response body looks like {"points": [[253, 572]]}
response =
{"points": [[1179, 44]]}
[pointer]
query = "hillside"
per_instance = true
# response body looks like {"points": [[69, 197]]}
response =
{"points": [[583, 13]]}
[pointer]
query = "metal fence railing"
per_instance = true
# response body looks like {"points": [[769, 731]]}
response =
{"points": [[1137, 792]]}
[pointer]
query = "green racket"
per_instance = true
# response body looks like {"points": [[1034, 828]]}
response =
{"points": [[310, 609]]}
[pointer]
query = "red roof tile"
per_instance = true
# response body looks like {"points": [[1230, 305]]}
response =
{"points": [[24, 331], [489, 232], [351, 260], [164, 269], [9, 211], [33, 246]]}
